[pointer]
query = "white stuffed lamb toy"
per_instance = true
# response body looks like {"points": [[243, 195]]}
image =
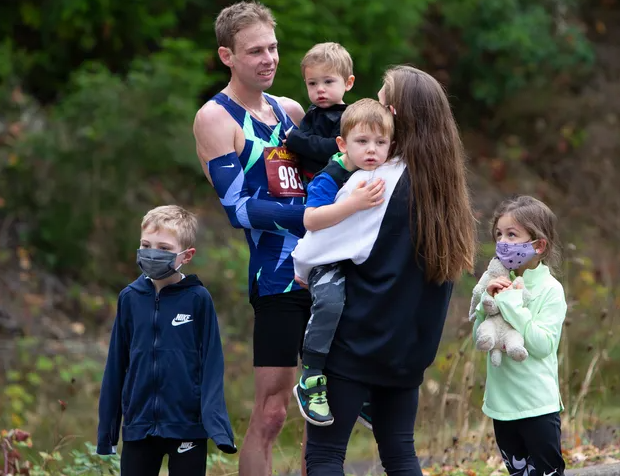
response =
{"points": [[495, 334]]}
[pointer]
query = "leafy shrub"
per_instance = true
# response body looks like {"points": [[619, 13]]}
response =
{"points": [[110, 146], [507, 45]]}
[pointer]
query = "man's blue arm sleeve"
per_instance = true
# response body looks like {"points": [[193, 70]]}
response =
{"points": [[245, 211]]}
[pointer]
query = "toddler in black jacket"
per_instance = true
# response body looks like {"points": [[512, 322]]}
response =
{"points": [[328, 73]]}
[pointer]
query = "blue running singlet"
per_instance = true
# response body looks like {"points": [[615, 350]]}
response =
{"points": [[272, 225]]}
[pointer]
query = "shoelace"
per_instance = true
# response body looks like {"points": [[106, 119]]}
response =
{"points": [[319, 398]]}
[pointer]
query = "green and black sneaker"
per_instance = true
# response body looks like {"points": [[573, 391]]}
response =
{"points": [[311, 396]]}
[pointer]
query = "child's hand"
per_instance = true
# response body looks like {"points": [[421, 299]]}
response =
{"points": [[286, 133], [366, 196], [498, 285], [299, 281]]}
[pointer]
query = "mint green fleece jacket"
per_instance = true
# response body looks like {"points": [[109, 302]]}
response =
{"points": [[517, 390]]}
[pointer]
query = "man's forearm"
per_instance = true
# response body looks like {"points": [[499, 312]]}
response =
{"points": [[246, 211]]}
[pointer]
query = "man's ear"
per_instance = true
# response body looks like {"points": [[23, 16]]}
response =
{"points": [[348, 84], [342, 145], [189, 254], [225, 55]]}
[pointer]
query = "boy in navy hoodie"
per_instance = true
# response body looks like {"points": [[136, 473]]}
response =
{"points": [[164, 374]]}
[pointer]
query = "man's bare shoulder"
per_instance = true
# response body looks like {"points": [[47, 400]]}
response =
{"points": [[292, 108], [212, 114], [214, 130]]}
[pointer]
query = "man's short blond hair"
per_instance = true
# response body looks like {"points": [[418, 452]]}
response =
{"points": [[330, 56], [172, 218], [369, 113], [231, 20]]}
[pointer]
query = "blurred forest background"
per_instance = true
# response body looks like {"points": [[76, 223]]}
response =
{"points": [[97, 99]]}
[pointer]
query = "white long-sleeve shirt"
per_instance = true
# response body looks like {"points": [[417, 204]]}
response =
{"points": [[352, 238]]}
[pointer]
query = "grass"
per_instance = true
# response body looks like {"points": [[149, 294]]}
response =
{"points": [[450, 428]]}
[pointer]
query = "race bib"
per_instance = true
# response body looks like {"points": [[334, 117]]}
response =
{"points": [[283, 174]]}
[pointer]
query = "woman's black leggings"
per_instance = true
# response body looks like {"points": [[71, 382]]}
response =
{"points": [[393, 417]]}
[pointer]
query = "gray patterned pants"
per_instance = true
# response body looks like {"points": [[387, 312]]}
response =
{"points": [[327, 287]]}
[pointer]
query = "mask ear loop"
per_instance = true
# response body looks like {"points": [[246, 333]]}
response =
{"points": [[178, 254]]}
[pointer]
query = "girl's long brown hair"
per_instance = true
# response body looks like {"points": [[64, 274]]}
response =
{"points": [[427, 140]]}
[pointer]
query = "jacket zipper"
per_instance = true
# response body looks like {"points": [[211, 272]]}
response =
{"points": [[200, 380], [155, 360]]}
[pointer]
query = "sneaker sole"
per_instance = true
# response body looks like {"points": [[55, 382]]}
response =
{"points": [[364, 423], [303, 414]]}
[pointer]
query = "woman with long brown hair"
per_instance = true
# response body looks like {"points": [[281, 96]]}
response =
{"points": [[400, 261]]}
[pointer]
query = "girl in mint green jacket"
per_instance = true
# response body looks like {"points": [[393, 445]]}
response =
{"points": [[523, 398]]}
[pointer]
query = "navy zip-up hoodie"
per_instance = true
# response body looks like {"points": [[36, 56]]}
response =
{"points": [[164, 374]]}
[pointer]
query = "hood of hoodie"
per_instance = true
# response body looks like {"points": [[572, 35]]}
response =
{"points": [[144, 285]]}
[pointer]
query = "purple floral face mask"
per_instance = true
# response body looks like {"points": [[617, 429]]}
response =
{"points": [[514, 255]]}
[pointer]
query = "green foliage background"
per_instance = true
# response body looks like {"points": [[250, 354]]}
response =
{"points": [[97, 99], [112, 86]]}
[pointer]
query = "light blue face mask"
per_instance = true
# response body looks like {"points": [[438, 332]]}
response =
{"points": [[157, 264]]}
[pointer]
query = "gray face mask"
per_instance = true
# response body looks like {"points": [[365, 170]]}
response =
{"points": [[157, 264]]}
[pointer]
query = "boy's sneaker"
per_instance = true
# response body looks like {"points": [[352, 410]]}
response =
{"points": [[311, 396], [365, 416]]}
